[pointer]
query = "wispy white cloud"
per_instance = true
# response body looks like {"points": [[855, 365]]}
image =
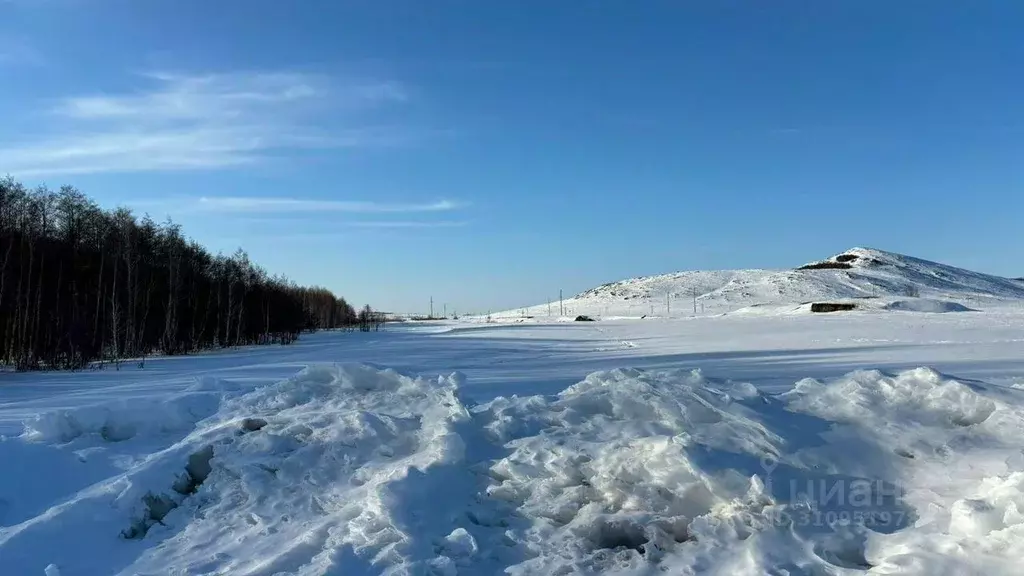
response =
{"points": [[226, 96], [189, 122], [287, 211], [406, 224], [351, 229], [256, 204]]}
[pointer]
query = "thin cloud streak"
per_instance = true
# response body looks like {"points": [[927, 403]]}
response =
{"points": [[241, 204], [277, 238], [218, 96], [202, 122], [406, 224]]}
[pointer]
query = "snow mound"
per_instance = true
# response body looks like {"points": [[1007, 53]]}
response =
{"points": [[963, 469], [636, 472], [123, 419], [357, 470], [617, 474], [317, 484], [921, 396], [926, 305]]}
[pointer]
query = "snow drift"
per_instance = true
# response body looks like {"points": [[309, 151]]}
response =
{"points": [[355, 470], [284, 479], [926, 305]]}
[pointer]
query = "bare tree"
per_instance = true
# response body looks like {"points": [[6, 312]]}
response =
{"points": [[78, 284]]}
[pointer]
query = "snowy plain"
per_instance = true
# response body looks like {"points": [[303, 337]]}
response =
{"points": [[547, 448], [762, 439]]}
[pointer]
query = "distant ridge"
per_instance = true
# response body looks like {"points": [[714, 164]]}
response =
{"points": [[861, 274]]}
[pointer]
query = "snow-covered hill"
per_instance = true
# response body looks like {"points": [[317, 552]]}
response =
{"points": [[874, 279]]}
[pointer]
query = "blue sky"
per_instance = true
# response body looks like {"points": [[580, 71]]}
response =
{"points": [[489, 153]]}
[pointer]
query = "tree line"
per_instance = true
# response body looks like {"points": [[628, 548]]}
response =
{"points": [[79, 284]]}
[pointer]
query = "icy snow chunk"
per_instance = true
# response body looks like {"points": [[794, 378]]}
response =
{"points": [[156, 506], [443, 566], [921, 395], [253, 424], [460, 544], [974, 518], [52, 570], [197, 471]]}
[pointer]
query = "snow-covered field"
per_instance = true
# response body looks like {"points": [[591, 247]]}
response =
{"points": [[882, 441]]}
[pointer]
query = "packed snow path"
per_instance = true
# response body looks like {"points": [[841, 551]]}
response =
{"points": [[281, 461]]}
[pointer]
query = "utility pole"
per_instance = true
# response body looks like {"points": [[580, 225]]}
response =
{"points": [[549, 308], [668, 305], [446, 310], [694, 300], [431, 307], [561, 307]]}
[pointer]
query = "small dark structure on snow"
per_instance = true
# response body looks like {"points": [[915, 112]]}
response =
{"points": [[826, 265], [584, 318], [832, 307]]}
